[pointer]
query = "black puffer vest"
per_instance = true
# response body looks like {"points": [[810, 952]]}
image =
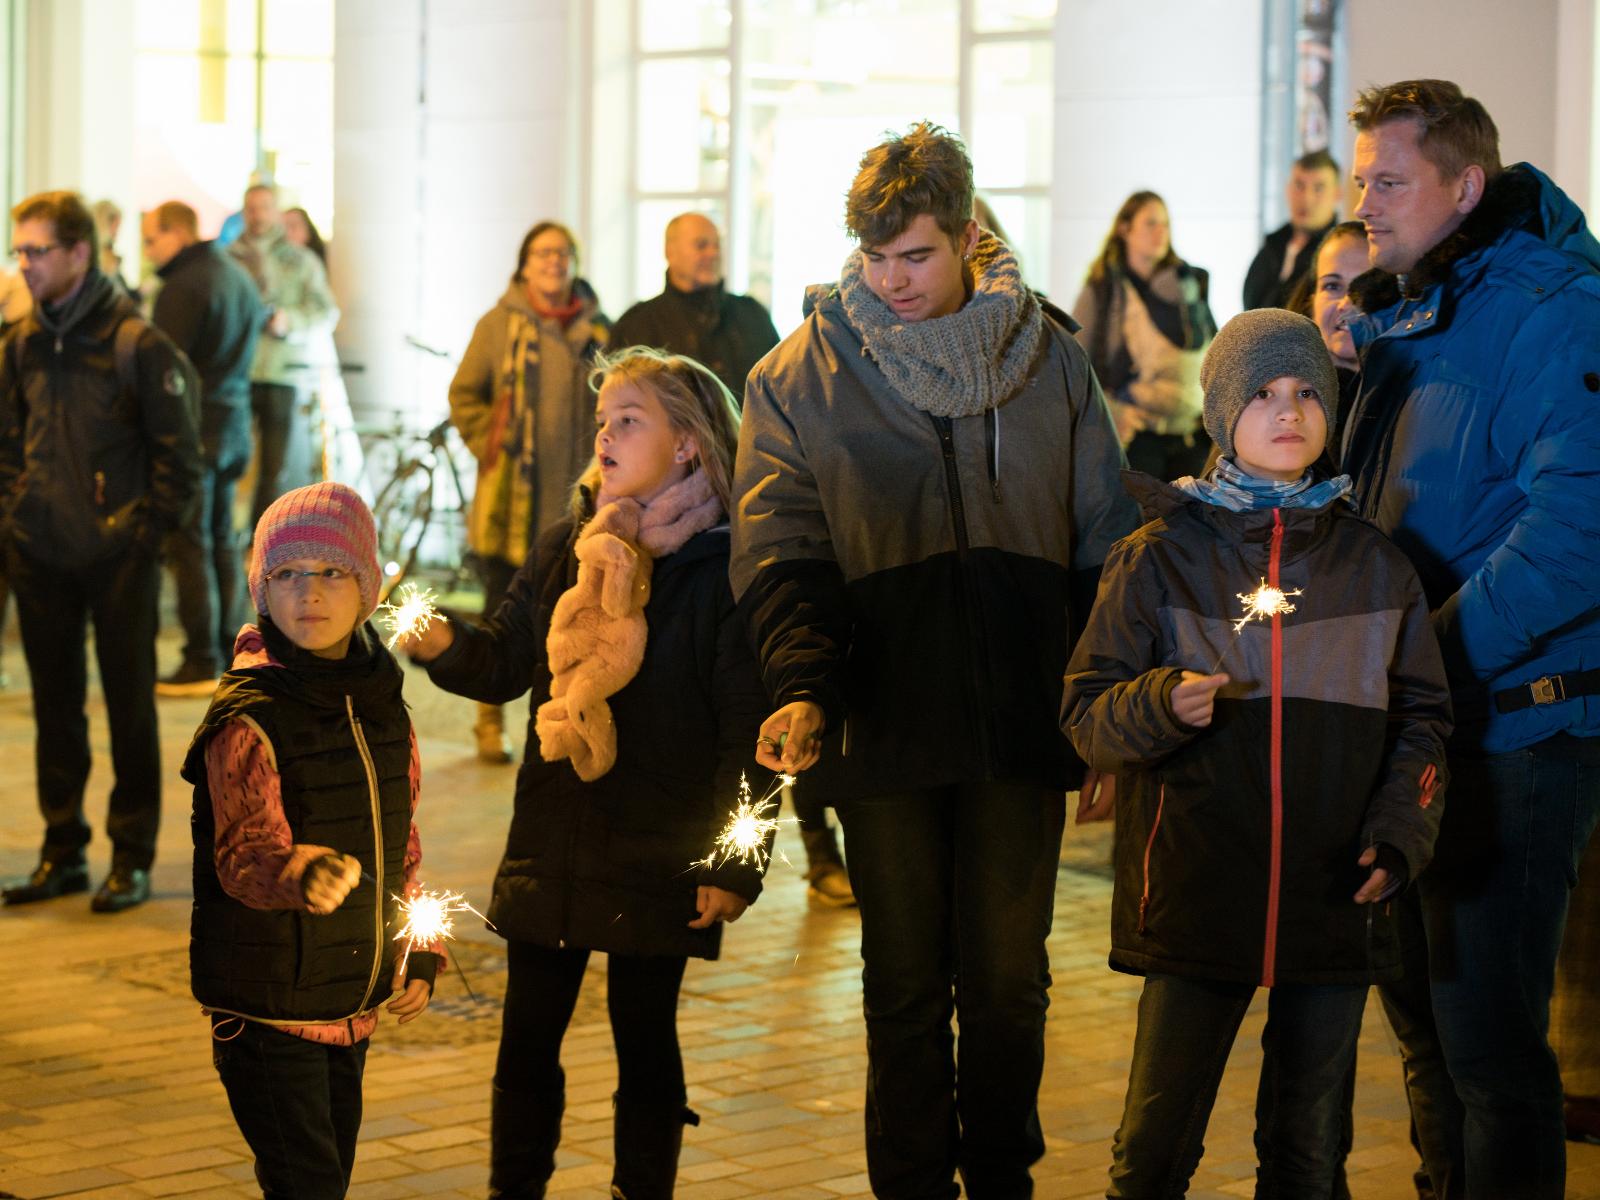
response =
{"points": [[342, 743]]}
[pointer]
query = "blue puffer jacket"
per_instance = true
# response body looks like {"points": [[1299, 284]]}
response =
{"points": [[1475, 445]]}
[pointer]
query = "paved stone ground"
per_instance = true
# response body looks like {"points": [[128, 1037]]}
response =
{"points": [[107, 1089]]}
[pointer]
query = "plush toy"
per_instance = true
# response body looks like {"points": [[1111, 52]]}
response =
{"points": [[596, 641]]}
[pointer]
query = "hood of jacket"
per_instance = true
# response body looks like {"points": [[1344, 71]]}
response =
{"points": [[1521, 198]]}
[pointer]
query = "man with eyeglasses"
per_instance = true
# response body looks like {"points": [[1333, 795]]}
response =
{"points": [[98, 461]]}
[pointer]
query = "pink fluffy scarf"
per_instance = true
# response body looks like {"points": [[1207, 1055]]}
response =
{"points": [[597, 631]]}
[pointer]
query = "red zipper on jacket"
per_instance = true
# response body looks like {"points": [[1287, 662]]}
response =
{"points": [[1144, 900], [1269, 952]]}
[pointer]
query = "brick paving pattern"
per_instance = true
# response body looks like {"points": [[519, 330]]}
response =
{"points": [[107, 1089]]}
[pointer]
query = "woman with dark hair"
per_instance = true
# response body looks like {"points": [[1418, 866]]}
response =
{"points": [[521, 402], [301, 230], [1146, 325], [1320, 295]]}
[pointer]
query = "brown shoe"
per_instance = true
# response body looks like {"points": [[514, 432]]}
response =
{"points": [[490, 731], [827, 882]]}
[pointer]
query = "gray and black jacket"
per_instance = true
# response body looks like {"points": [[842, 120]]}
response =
{"points": [[1237, 843], [921, 577]]}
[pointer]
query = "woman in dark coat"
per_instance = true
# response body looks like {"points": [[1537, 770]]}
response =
{"points": [[622, 622]]}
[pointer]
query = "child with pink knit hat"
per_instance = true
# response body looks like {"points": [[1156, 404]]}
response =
{"points": [[306, 777]]}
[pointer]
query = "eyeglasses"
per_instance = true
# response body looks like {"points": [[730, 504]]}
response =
{"points": [[287, 577], [565, 252], [32, 252]]}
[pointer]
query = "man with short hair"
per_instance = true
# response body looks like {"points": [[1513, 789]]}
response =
{"points": [[210, 308], [695, 314], [1286, 256], [300, 309], [98, 461], [1474, 443], [926, 487]]}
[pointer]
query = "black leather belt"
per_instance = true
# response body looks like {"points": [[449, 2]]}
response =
{"points": [[1552, 689]]}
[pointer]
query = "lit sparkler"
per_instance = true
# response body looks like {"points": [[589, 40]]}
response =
{"points": [[412, 616], [1262, 604], [744, 838], [430, 917]]}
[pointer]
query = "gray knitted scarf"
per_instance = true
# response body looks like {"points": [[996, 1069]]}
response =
{"points": [[963, 364]]}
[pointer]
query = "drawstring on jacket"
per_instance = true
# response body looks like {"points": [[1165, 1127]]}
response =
{"points": [[992, 428]]}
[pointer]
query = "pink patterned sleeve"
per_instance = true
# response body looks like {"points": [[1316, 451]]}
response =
{"points": [[257, 862]]}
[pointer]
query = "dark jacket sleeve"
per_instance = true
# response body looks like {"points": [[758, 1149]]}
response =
{"points": [[500, 660], [790, 589], [1405, 809], [169, 404], [1117, 706], [741, 705]]}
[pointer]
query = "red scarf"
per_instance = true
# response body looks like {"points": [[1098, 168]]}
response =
{"points": [[564, 314]]}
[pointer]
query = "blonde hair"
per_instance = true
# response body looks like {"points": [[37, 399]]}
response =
{"points": [[697, 403]]}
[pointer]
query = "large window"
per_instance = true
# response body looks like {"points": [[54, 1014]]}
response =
{"points": [[230, 89], [757, 112]]}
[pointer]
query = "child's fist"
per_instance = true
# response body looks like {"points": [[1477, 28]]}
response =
{"points": [[328, 880], [1195, 697]]}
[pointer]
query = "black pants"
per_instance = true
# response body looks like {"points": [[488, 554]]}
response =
{"points": [[54, 606], [205, 553], [274, 407], [642, 996], [298, 1104], [956, 887]]}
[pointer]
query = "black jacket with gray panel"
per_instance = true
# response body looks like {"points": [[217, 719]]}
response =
{"points": [[1237, 843], [922, 578]]}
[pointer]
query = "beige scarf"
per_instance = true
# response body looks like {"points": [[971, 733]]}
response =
{"points": [[597, 631]]}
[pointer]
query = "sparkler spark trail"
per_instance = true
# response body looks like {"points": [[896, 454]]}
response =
{"points": [[1262, 604], [413, 615], [430, 917], [744, 838]]}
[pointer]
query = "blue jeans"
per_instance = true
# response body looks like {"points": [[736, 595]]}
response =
{"points": [[298, 1105], [204, 553], [1484, 1087], [1186, 1029], [956, 887]]}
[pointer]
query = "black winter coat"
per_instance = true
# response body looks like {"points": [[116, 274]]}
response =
{"points": [[210, 307], [609, 865], [727, 332], [90, 468], [1263, 287], [1237, 844]]}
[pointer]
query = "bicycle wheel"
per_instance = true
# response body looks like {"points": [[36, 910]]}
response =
{"points": [[402, 511]]}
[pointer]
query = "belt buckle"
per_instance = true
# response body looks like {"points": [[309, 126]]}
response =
{"points": [[1548, 690]]}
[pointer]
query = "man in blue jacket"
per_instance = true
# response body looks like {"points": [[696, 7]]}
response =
{"points": [[1474, 443]]}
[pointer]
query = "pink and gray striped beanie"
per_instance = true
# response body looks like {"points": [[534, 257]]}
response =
{"points": [[326, 521]]}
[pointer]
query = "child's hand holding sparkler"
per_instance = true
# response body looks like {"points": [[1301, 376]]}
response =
{"points": [[1194, 699], [790, 740], [328, 880], [412, 1000], [717, 904]]}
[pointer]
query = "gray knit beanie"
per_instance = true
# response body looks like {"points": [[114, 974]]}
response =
{"points": [[1251, 351]]}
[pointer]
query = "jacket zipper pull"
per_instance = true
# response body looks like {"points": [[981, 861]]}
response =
{"points": [[100, 489], [1144, 903]]}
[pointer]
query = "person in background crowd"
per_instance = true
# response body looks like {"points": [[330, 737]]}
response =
{"points": [[15, 304], [695, 315], [1340, 257], [1146, 324], [520, 399], [301, 314], [1287, 254], [1473, 445], [108, 224], [926, 487], [210, 308], [301, 231], [98, 463]]}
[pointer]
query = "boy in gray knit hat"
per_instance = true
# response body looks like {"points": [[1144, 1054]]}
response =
{"points": [[1260, 675]]}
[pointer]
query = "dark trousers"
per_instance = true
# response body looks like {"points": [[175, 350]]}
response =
{"points": [[274, 407], [956, 887], [1168, 456], [1484, 1087], [54, 607], [298, 1104], [204, 554], [641, 994], [1186, 1029]]}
